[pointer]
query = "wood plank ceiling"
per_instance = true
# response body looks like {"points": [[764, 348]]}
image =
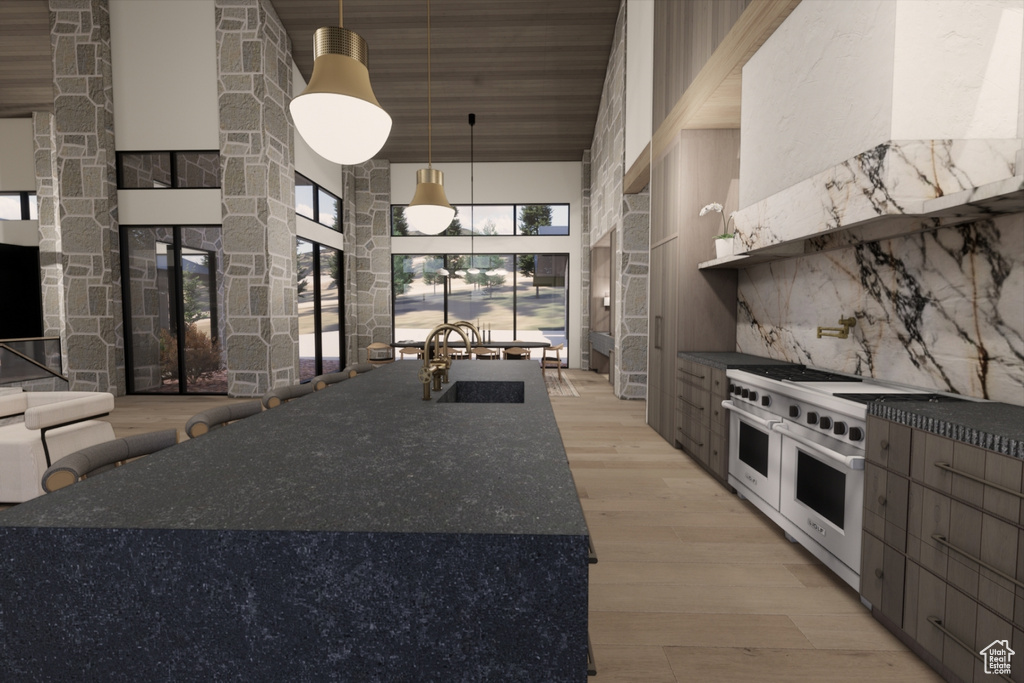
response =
{"points": [[531, 70]]}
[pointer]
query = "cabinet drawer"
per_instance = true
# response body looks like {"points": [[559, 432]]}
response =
{"points": [[888, 444], [694, 402], [885, 505], [694, 374], [718, 455], [719, 384], [695, 445]]}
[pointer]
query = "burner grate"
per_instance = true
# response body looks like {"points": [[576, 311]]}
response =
{"points": [[797, 374], [899, 398]]}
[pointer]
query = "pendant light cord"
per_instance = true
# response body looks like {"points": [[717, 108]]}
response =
{"points": [[429, 164], [472, 201], [341, 14]]}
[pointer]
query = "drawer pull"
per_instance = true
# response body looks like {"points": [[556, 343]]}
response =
{"points": [[942, 540], [692, 405], [884, 445], [937, 623], [881, 500], [879, 573], [967, 475], [691, 374]]}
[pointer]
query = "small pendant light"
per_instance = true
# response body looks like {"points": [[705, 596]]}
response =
{"points": [[429, 212], [337, 114], [473, 270]]}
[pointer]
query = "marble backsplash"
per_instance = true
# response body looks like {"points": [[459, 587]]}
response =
{"points": [[943, 310]]}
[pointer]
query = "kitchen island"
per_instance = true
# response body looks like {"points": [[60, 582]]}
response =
{"points": [[359, 533]]}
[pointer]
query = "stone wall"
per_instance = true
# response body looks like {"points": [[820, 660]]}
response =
{"points": [[629, 217], [83, 137], [370, 260], [258, 193], [631, 315], [51, 275], [585, 265]]}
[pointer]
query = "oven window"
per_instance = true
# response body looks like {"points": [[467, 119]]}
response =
{"points": [[754, 448], [821, 488]]}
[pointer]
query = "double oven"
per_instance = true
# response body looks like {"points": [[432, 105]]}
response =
{"points": [[796, 452]]}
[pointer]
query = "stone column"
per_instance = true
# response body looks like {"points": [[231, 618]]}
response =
{"points": [[633, 257], [585, 266], [258, 197], [51, 276], [371, 257], [83, 136]]}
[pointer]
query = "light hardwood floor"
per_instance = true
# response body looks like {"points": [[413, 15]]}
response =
{"points": [[692, 584]]}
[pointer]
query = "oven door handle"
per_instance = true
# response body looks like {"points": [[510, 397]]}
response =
{"points": [[750, 417], [853, 462]]}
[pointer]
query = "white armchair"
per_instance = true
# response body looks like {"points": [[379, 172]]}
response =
{"points": [[55, 424]]}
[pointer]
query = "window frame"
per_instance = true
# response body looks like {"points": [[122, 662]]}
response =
{"points": [[447, 258], [26, 205], [515, 220], [317, 189]]}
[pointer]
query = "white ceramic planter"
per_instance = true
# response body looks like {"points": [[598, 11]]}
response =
{"points": [[723, 248]]}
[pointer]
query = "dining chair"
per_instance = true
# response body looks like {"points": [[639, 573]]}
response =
{"points": [[379, 353], [482, 353], [547, 360]]}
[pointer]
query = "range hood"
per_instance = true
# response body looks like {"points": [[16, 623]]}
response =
{"points": [[895, 116]]}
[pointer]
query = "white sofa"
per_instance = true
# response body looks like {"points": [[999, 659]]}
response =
{"points": [[54, 424]]}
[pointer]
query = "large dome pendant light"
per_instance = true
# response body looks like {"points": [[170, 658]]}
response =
{"points": [[429, 212], [337, 114]]}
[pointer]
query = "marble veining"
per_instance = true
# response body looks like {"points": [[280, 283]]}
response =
{"points": [[942, 309], [898, 177]]}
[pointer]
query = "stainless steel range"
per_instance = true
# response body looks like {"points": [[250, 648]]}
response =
{"points": [[796, 451]]}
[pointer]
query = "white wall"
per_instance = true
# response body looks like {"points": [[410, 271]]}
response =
{"points": [[639, 77], [818, 92], [957, 69], [169, 207], [164, 55], [506, 183], [17, 158]]}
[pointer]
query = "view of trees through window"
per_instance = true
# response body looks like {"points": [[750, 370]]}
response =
{"points": [[318, 271], [495, 219], [510, 296]]}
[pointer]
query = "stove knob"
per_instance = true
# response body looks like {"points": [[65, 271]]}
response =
{"points": [[732, 388], [766, 401], [812, 418], [825, 423], [753, 396], [794, 411], [736, 390], [856, 434], [745, 393], [839, 428]]}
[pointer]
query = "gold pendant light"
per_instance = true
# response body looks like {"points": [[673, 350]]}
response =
{"points": [[337, 114], [429, 212]]}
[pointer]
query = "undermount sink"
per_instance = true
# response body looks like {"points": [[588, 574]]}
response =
{"points": [[483, 392]]}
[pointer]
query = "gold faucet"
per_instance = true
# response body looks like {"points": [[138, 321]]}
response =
{"points": [[436, 364], [838, 332]]}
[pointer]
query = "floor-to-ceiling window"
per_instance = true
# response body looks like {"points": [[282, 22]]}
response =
{"points": [[172, 296], [509, 296], [319, 272]]}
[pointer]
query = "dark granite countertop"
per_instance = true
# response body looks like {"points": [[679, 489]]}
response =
{"points": [[998, 427], [723, 360], [602, 342], [367, 455]]}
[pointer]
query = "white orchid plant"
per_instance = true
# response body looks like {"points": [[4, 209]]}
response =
{"points": [[715, 207]]}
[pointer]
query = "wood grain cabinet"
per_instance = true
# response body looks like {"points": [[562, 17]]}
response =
{"points": [[701, 423], [942, 559]]}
